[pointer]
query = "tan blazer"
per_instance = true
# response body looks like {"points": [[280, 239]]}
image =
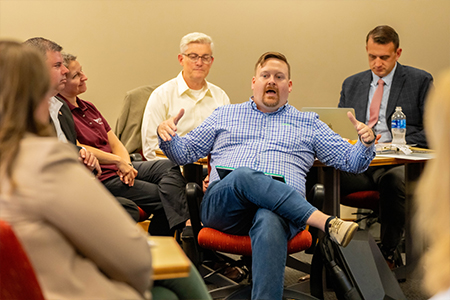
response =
{"points": [[81, 243], [128, 126]]}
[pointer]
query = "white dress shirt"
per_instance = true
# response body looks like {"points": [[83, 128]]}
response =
{"points": [[54, 107], [166, 101]]}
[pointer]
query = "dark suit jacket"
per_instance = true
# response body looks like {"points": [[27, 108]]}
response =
{"points": [[67, 124], [409, 90]]}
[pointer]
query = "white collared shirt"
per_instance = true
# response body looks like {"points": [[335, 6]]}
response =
{"points": [[54, 107], [381, 127], [166, 101]]}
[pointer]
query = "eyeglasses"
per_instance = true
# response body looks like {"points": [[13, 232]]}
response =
{"points": [[206, 59]]}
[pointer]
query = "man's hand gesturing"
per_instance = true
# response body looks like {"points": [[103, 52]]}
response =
{"points": [[166, 130], [365, 133]]}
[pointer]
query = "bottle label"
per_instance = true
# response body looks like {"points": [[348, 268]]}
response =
{"points": [[400, 124]]}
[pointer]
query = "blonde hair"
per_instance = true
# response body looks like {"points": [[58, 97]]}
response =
{"points": [[433, 191], [24, 82]]}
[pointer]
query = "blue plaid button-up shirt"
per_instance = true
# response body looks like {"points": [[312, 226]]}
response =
{"points": [[283, 142]]}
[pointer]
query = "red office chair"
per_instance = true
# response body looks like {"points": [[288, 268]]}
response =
{"points": [[17, 277], [363, 199], [143, 216], [208, 238]]}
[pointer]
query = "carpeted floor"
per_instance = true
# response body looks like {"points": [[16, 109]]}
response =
{"points": [[411, 287]]}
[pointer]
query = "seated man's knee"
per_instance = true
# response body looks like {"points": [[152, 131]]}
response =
{"points": [[130, 207], [166, 163], [393, 180], [269, 224]]}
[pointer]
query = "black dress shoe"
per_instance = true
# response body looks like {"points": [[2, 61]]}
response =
{"points": [[234, 273]]}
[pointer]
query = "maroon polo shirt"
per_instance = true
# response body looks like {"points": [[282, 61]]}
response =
{"points": [[92, 130]]}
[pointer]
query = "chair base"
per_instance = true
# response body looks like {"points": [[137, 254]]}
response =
{"points": [[298, 265], [244, 292], [216, 279]]}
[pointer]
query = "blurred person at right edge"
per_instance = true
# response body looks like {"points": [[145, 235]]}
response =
{"points": [[433, 193]]}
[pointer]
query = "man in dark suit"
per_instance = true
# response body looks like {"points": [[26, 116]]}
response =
{"points": [[67, 123], [60, 113], [399, 86]]}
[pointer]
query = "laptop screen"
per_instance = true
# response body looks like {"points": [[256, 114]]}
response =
{"points": [[336, 118]]}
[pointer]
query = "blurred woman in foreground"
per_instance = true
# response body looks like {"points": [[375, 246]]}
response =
{"points": [[80, 241], [433, 193]]}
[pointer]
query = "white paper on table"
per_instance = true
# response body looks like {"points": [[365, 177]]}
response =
{"points": [[412, 156]]}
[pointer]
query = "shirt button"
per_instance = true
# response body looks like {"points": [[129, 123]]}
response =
{"points": [[379, 122]]}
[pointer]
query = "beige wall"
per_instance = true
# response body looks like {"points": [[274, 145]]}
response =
{"points": [[124, 44]]}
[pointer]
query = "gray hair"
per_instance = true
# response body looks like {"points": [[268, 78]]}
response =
{"points": [[195, 37], [67, 58], [43, 45]]}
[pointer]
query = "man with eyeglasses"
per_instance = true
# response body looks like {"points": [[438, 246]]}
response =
{"points": [[189, 90]]}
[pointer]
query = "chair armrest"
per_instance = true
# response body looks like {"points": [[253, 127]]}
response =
{"points": [[316, 197], [135, 157], [194, 196]]}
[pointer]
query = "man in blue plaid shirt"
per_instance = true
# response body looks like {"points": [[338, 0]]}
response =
{"points": [[267, 135]]}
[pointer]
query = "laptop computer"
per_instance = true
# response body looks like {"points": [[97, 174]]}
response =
{"points": [[336, 118]]}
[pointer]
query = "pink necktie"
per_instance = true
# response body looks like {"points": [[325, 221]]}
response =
{"points": [[376, 102]]}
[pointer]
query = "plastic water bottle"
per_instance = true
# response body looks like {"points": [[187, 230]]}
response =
{"points": [[398, 127]]}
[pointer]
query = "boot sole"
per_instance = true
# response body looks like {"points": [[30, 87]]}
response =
{"points": [[349, 235]]}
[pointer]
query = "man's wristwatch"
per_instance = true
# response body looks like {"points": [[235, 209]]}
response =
{"points": [[374, 137]]}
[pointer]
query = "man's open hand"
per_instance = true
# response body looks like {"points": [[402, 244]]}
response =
{"points": [[166, 130]]}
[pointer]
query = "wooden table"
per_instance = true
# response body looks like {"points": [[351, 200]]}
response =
{"points": [[168, 259], [414, 164], [201, 161], [330, 177]]}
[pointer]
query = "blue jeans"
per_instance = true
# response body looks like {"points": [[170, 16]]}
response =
{"points": [[248, 202]]}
